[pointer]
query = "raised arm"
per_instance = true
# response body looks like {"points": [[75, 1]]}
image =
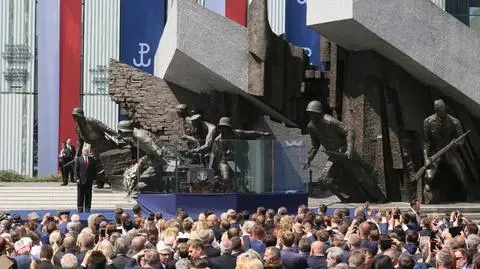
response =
{"points": [[250, 134], [212, 131]]}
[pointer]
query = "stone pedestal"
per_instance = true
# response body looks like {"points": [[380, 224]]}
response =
{"points": [[115, 162]]}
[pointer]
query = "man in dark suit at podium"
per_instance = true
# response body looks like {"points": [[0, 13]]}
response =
{"points": [[85, 175]]}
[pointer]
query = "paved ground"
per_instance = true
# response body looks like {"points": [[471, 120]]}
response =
{"points": [[49, 195]]}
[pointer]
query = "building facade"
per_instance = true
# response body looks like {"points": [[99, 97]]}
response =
{"points": [[54, 57]]}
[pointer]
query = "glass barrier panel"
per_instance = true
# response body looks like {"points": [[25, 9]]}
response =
{"points": [[251, 166]]}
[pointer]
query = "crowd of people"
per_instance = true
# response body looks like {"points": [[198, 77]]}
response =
{"points": [[363, 238]]}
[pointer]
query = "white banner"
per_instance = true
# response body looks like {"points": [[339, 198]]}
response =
{"points": [[48, 29]]}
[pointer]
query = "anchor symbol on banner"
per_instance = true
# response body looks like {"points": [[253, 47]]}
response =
{"points": [[144, 49], [302, 2], [308, 51]]}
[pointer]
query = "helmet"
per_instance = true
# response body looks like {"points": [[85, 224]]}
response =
{"points": [[78, 112], [125, 126], [195, 117], [225, 121], [315, 107]]}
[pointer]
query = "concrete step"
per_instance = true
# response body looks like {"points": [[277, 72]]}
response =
{"points": [[42, 196]]}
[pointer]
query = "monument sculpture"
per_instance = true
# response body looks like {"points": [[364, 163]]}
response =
{"points": [[146, 174], [222, 157], [368, 120], [200, 139], [183, 113], [98, 137], [343, 174], [440, 130]]}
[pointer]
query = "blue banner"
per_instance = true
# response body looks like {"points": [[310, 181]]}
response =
{"points": [[297, 32], [141, 26]]}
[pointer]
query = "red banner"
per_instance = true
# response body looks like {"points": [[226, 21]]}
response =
{"points": [[236, 10], [70, 49]]}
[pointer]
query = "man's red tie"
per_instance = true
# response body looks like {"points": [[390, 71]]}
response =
{"points": [[86, 162]]}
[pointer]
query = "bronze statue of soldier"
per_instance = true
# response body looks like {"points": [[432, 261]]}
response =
{"points": [[439, 130], [183, 113], [203, 134], [150, 168], [344, 174], [100, 138], [223, 151]]}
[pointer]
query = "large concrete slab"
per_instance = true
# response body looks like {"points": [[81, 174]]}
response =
{"points": [[202, 51], [426, 41]]}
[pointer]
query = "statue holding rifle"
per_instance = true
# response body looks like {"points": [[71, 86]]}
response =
{"points": [[345, 173], [443, 134], [98, 137]]}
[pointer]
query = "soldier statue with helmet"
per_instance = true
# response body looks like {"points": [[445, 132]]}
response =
{"points": [[149, 168], [97, 136], [344, 174], [223, 151], [200, 140]]}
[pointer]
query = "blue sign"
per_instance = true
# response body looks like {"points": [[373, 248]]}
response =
{"points": [[141, 26], [297, 32]]}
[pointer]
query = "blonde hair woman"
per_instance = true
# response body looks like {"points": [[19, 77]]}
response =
{"points": [[197, 227], [171, 231], [106, 248], [55, 241], [254, 264], [245, 259], [161, 226]]}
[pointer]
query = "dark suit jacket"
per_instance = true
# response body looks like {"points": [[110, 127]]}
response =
{"points": [[211, 251], [81, 256], [317, 262], [120, 261], [290, 259], [46, 265], [218, 232], [86, 174], [225, 261]]}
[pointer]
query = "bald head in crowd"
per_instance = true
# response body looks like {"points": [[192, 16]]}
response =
{"points": [[317, 248], [87, 241], [364, 229], [138, 243], [69, 261], [212, 220], [69, 243]]}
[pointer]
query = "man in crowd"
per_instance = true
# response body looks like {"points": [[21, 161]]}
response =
{"points": [[66, 157], [85, 173]]}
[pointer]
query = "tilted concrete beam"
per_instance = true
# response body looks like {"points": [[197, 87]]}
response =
{"points": [[426, 41], [202, 51]]}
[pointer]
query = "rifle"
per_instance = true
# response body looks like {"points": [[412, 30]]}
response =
{"points": [[340, 155], [439, 154], [117, 140]]}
